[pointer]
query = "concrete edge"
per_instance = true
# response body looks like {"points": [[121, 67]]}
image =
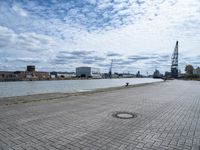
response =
{"points": [[7, 101]]}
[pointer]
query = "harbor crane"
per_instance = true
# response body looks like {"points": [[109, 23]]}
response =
{"points": [[110, 70], [174, 66]]}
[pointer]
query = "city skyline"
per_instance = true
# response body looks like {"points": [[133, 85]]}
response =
{"points": [[138, 35]]}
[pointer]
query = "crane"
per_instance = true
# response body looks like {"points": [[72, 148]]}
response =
{"points": [[174, 66], [110, 70]]}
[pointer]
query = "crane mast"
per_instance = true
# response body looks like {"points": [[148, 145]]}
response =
{"points": [[110, 70], [174, 66]]}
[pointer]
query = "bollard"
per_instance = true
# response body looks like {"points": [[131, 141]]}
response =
{"points": [[127, 84]]}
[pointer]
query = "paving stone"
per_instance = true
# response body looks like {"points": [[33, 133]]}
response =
{"points": [[167, 118]]}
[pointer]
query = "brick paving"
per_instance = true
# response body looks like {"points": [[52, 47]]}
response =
{"points": [[168, 117]]}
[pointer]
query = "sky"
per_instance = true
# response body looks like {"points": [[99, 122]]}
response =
{"points": [[59, 35]]}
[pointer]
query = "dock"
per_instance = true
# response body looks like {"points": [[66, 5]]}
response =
{"points": [[163, 115]]}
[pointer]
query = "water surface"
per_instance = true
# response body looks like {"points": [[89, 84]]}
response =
{"points": [[20, 88]]}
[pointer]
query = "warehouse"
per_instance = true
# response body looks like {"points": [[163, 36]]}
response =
{"points": [[88, 72]]}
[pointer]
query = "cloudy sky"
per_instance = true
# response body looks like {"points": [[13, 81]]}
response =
{"points": [[63, 34]]}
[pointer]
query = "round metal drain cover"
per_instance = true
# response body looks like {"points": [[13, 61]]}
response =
{"points": [[124, 115]]}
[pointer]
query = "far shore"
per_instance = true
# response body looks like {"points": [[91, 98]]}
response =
{"points": [[7, 101], [60, 79], [51, 79]]}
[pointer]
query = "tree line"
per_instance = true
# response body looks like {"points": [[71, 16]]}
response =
{"points": [[191, 72]]}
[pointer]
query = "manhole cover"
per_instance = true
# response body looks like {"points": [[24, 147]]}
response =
{"points": [[124, 115]]}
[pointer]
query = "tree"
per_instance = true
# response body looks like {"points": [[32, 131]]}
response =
{"points": [[189, 69]]}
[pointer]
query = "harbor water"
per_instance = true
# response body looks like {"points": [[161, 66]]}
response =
{"points": [[21, 88]]}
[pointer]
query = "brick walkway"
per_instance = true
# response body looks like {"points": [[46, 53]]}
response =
{"points": [[168, 117]]}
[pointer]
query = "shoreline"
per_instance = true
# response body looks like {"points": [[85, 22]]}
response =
{"points": [[63, 79], [7, 101]]}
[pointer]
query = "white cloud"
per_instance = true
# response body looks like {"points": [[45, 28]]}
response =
{"points": [[20, 11], [7, 36], [120, 26], [25, 41]]}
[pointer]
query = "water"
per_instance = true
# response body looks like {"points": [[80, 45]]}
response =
{"points": [[9, 89]]}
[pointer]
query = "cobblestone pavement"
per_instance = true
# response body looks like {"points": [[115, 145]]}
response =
{"points": [[168, 117]]}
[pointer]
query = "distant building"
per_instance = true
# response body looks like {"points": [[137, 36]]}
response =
{"points": [[138, 75], [55, 74], [115, 75], [105, 75], [157, 74], [7, 76], [128, 75], [38, 75], [30, 74], [66, 74], [88, 72], [35, 75], [30, 68]]}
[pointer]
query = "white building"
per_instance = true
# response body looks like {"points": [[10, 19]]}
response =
{"points": [[88, 72], [127, 75], [55, 74], [66, 75]]}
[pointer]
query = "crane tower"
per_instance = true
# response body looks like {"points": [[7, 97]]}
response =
{"points": [[174, 66], [110, 70]]}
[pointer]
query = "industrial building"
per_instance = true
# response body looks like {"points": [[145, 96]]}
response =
{"points": [[88, 72], [29, 74], [30, 68], [157, 74], [62, 75]]}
